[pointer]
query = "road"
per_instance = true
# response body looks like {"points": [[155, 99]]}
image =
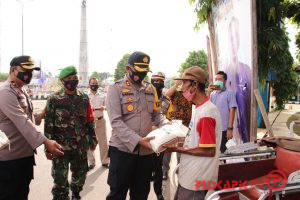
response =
{"points": [[95, 187]]}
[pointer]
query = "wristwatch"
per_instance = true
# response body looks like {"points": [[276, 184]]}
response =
{"points": [[229, 129]]}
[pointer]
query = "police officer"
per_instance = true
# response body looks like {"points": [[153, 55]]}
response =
{"points": [[158, 81], [17, 122], [132, 110], [69, 120]]}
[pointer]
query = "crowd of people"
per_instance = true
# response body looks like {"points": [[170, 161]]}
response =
{"points": [[74, 125]]}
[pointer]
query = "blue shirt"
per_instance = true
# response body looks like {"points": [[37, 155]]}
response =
{"points": [[224, 100]]}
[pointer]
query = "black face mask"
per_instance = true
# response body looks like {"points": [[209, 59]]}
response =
{"points": [[141, 76], [158, 86], [94, 87], [25, 77], [71, 84]]}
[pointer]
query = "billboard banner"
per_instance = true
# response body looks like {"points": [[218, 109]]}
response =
{"points": [[232, 24]]}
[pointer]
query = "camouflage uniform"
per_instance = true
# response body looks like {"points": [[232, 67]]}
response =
{"points": [[69, 121]]}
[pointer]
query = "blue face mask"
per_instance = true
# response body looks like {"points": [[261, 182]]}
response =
{"points": [[220, 84]]}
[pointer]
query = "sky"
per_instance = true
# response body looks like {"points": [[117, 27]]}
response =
{"points": [[161, 28]]}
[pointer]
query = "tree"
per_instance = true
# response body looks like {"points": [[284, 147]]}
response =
{"points": [[292, 8], [273, 49], [104, 75], [97, 76], [101, 76], [3, 77], [198, 58], [120, 70]]}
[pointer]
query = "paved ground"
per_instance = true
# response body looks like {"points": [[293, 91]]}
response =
{"points": [[279, 127], [96, 186]]}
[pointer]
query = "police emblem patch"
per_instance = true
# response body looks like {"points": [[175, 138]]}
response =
{"points": [[130, 99], [130, 108], [146, 59]]}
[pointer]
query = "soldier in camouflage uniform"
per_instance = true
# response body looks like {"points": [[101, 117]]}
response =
{"points": [[69, 121], [158, 80]]}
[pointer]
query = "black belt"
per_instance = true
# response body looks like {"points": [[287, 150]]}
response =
{"points": [[100, 118]]}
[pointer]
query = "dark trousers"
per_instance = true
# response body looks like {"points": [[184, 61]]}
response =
{"points": [[158, 175], [166, 161], [185, 194], [129, 172], [15, 177], [223, 142]]}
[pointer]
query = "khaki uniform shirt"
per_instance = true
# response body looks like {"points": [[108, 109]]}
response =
{"points": [[97, 101], [17, 122], [131, 112]]}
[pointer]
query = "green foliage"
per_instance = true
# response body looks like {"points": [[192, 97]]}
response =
{"points": [[120, 71], [296, 127], [292, 12], [101, 76], [97, 76], [202, 8], [298, 45], [3, 77], [273, 49], [198, 58], [104, 75]]}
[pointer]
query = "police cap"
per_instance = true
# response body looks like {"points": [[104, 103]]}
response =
{"points": [[139, 61], [25, 62]]}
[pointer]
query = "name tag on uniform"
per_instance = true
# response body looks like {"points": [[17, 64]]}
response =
{"points": [[127, 93]]}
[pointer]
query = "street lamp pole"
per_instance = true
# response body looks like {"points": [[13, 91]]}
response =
{"points": [[22, 3], [22, 29]]}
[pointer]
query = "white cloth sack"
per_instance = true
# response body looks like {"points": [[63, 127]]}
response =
{"points": [[166, 134], [4, 141]]}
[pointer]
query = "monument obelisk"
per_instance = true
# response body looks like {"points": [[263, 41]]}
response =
{"points": [[83, 57]]}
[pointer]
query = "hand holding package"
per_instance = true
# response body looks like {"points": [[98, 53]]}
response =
{"points": [[167, 134]]}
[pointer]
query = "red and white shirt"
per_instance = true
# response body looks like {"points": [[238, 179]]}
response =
{"points": [[206, 131]]}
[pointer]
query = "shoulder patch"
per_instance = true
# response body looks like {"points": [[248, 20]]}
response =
{"points": [[118, 81]]}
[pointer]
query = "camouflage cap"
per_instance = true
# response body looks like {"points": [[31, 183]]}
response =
{"points": [[67, 71]]}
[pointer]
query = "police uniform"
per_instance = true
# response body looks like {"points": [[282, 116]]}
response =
{"points": [[132, 110], [17, 122], [69, 121]]}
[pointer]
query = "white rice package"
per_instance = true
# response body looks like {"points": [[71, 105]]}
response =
{"points": [[166, 134], [4, 141]]}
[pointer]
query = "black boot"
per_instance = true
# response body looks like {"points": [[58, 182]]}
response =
{"points": [[160, 197], [76, 196]]}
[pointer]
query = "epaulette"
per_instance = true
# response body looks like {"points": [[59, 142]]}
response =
{"points": [[147, 83], [119, 81]]}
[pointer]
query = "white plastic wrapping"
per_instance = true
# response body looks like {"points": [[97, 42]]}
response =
{"points": [[4, 141], [166, 134]]}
